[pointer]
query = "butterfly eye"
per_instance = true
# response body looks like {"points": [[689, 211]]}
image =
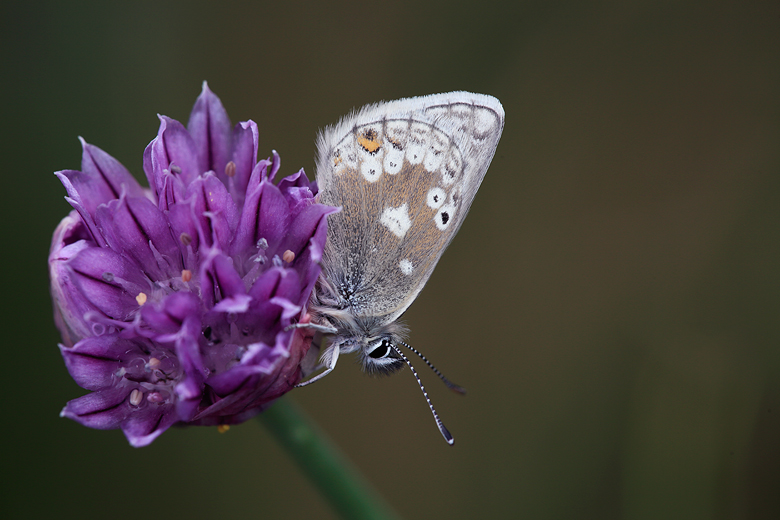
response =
{"points": [[380, 356], [380, 350]]}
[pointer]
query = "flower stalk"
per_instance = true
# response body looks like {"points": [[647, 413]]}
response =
{"points": [[323, 464]]}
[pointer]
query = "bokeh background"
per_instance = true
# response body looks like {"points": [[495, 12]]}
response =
{"points": [[611, 303]]}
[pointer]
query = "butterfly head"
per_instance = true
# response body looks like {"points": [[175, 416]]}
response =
{"points": [[375, 344], [379, 357]]}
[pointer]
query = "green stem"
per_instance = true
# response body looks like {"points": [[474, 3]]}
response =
{"points": [[326, 467]]}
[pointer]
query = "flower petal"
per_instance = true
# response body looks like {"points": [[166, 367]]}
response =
{"points": [[265, 216], [189, 391], [164, 319], [172, 191], [69, 306], [249, 389], [173, 150], [211, 133], [107, 175], [93, 362], [245, 137], [214, 210], [218, 280], [135, 227], [308, 228], [103, 410], [105, 281], [142, 427]]}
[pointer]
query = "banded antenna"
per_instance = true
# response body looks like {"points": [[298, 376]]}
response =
{"points": [[444, 431], [452, 386]]}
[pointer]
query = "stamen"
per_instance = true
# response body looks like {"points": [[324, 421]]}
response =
{"points": [[154, 397], [222, 428], [98, 329], [185, 238], [288, 256], [186, 275], [136, 396], [262, 244], [153, 363], [175, 169], [230, 169], [141, 298], [277, 261], [108, 277]]}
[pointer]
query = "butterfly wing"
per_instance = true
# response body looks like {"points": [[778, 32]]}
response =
{"points": [[405, 174]]}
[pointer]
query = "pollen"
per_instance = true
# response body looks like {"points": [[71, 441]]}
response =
{"points": [[288, 256], [141, 298], [222, 428], [136, 396], [230, 169], [153, 363], [186, 275]]}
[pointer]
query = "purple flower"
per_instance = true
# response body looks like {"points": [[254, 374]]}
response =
{"points": [[173, 301]]}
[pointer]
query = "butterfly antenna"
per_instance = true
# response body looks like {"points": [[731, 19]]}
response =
{"points": [[452, 386], [445, 433]]}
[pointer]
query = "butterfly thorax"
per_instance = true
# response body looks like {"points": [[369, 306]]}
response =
{"points": [[368, 335]]}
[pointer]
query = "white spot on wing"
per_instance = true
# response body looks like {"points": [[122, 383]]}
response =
{"points": [[371, 168], [396, 135], [406, 266], [394, 160], [484, 121], [397, 220], [444, 216], [436, 197]]}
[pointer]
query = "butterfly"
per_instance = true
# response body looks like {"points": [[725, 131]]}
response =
{"points": [[404, 174]]}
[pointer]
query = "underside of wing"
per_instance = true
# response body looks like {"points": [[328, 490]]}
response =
{"points": [[405, 174]]}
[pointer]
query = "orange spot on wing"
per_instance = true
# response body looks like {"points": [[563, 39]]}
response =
{"points": [[368, 140]]}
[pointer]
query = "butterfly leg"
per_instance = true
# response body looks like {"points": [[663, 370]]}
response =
{"points": [[331, 365], [320, 328]]}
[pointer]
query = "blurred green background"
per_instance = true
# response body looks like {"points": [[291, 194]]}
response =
{"points": [[611, 303]]}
